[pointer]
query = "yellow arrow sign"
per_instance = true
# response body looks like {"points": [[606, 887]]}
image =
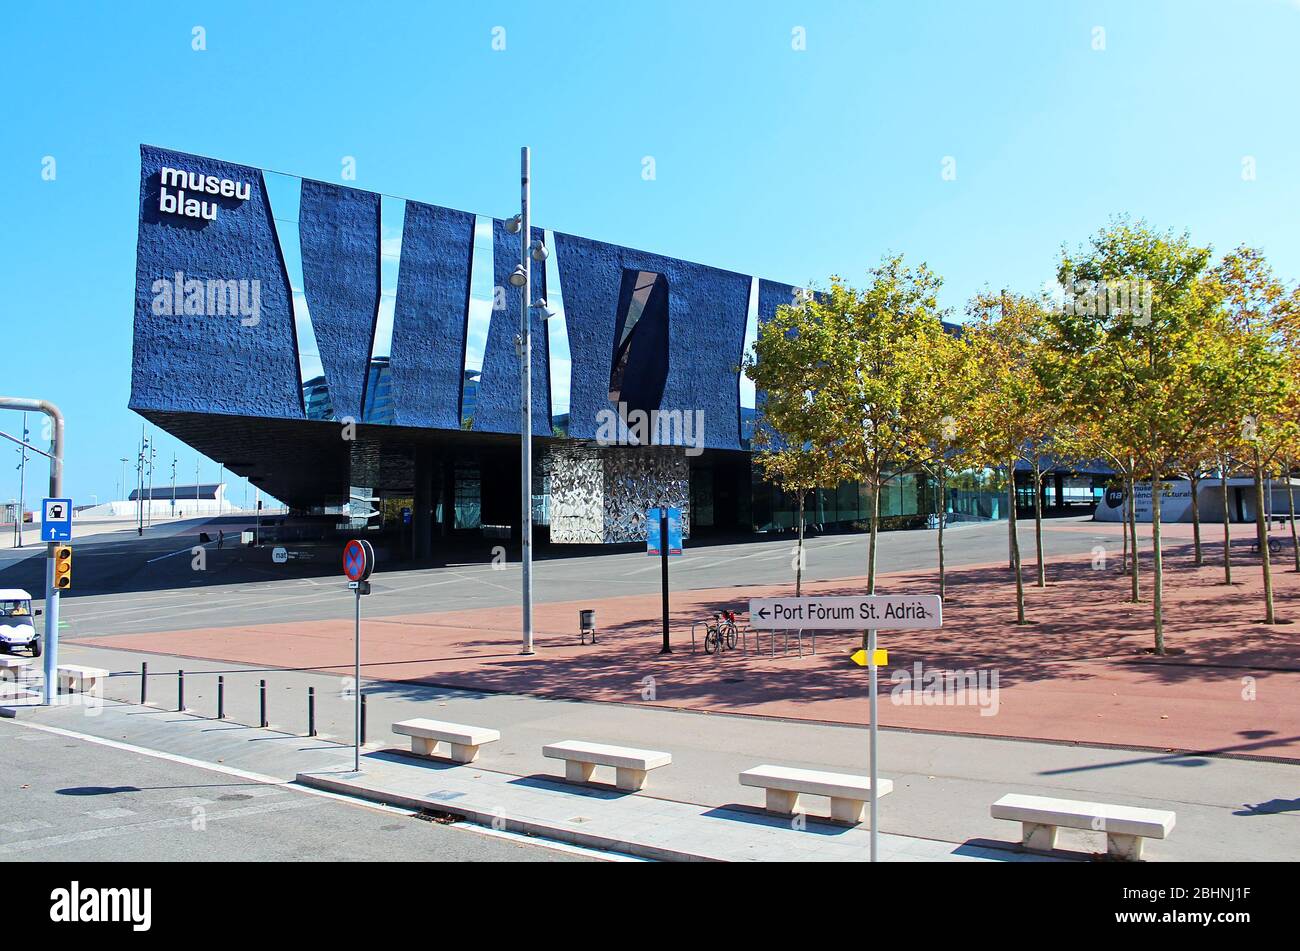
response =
{"points": [[860, 657]]}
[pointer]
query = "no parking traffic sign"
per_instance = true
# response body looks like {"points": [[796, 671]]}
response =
{"points": [[358, 559], [358, 562]]}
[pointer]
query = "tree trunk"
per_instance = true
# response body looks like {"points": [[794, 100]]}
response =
{"points": [[1261, 532], [1290, 501], [1011, 519], [1196, 518], [1015, 547], [1158, 579], [798, 564], [942, 506], [1133, 540], [871, 550], [1227, 523], [1038, 523], [1123, 534]]}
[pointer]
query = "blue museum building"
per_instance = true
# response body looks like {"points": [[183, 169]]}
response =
{"points": [[336, 345]]}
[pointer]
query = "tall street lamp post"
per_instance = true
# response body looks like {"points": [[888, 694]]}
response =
{"points": [[521, 277]]}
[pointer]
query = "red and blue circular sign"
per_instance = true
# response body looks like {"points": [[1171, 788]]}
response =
{"points": [[358, 560]]}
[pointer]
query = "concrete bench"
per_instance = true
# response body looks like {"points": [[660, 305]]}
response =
{"points": [[849, 795], [462, 741], [630, 765], [1125, 826], [74, 678], [13, 665], [12, 690]]}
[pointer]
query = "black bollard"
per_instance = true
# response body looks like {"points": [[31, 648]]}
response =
{"points": [[221, 698], [363, 719], [180, 691], [311, 711], [144, 683], [263, 689]]}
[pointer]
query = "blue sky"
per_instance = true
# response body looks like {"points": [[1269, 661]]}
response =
{"points": [[790, 164]]}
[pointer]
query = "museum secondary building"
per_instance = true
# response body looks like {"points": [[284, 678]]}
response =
{"points": [[354, 355]]}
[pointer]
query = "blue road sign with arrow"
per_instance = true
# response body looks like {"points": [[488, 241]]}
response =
{"points": [[56, 520]]}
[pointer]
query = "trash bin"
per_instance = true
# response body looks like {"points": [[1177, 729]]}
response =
{"points": [[586, 625]]}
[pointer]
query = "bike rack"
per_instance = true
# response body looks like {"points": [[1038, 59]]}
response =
{"points": [[772, 634], [744, 630]]}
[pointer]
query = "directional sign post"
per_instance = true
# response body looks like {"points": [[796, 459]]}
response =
{"points": [[663, 537], [883, 612], [358, 563], [867, 612]]}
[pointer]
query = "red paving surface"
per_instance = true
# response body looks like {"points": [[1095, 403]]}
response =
{"points": [[1078, 672]]}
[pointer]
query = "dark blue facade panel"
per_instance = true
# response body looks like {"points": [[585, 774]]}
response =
{"points": [[340, 269], [706, 319], [187, 356], [771, 295], [591, 277], [499, 391], [199, 362], [429, 316]]}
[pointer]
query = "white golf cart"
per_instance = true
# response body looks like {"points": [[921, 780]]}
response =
{"points": [[17, 622]]}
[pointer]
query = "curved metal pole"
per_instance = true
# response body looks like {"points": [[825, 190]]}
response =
{"points": [[51, 645]]}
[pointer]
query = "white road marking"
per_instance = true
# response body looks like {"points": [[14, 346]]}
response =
{"points": [[25, 825], [278, 784], [180, 551], [188, 802], [132, 828], [110, 813]]}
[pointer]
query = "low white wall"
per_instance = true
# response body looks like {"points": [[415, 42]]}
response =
{"points": [[1176, 501]]}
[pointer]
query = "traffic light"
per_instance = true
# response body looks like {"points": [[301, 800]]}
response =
{"points": [[62, 567]]}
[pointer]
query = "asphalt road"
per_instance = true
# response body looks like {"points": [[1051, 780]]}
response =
{"points": [[123, 584], [66, 799]]}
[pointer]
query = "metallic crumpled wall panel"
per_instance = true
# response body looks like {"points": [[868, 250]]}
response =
{"points": [[601, 495]]}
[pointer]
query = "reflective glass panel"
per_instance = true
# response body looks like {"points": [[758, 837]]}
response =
{"points": [[557, 342], [392, 221], [481, 296], [748, 400], [285, 195]]}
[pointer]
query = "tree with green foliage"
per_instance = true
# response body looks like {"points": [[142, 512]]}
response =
{"points": [[795, 425], [1139, 348], [942, 390], [1263, 314], [1012, 413], [855, 357]]}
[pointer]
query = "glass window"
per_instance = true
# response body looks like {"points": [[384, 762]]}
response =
{"points": [[284, 193], [560, 362], [378, 406], [482, 300], [468, 500], [748, 398], [639, 363]]}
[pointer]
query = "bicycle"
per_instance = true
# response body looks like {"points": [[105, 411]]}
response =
{"points": [[1274, 546], [721, 634]]}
